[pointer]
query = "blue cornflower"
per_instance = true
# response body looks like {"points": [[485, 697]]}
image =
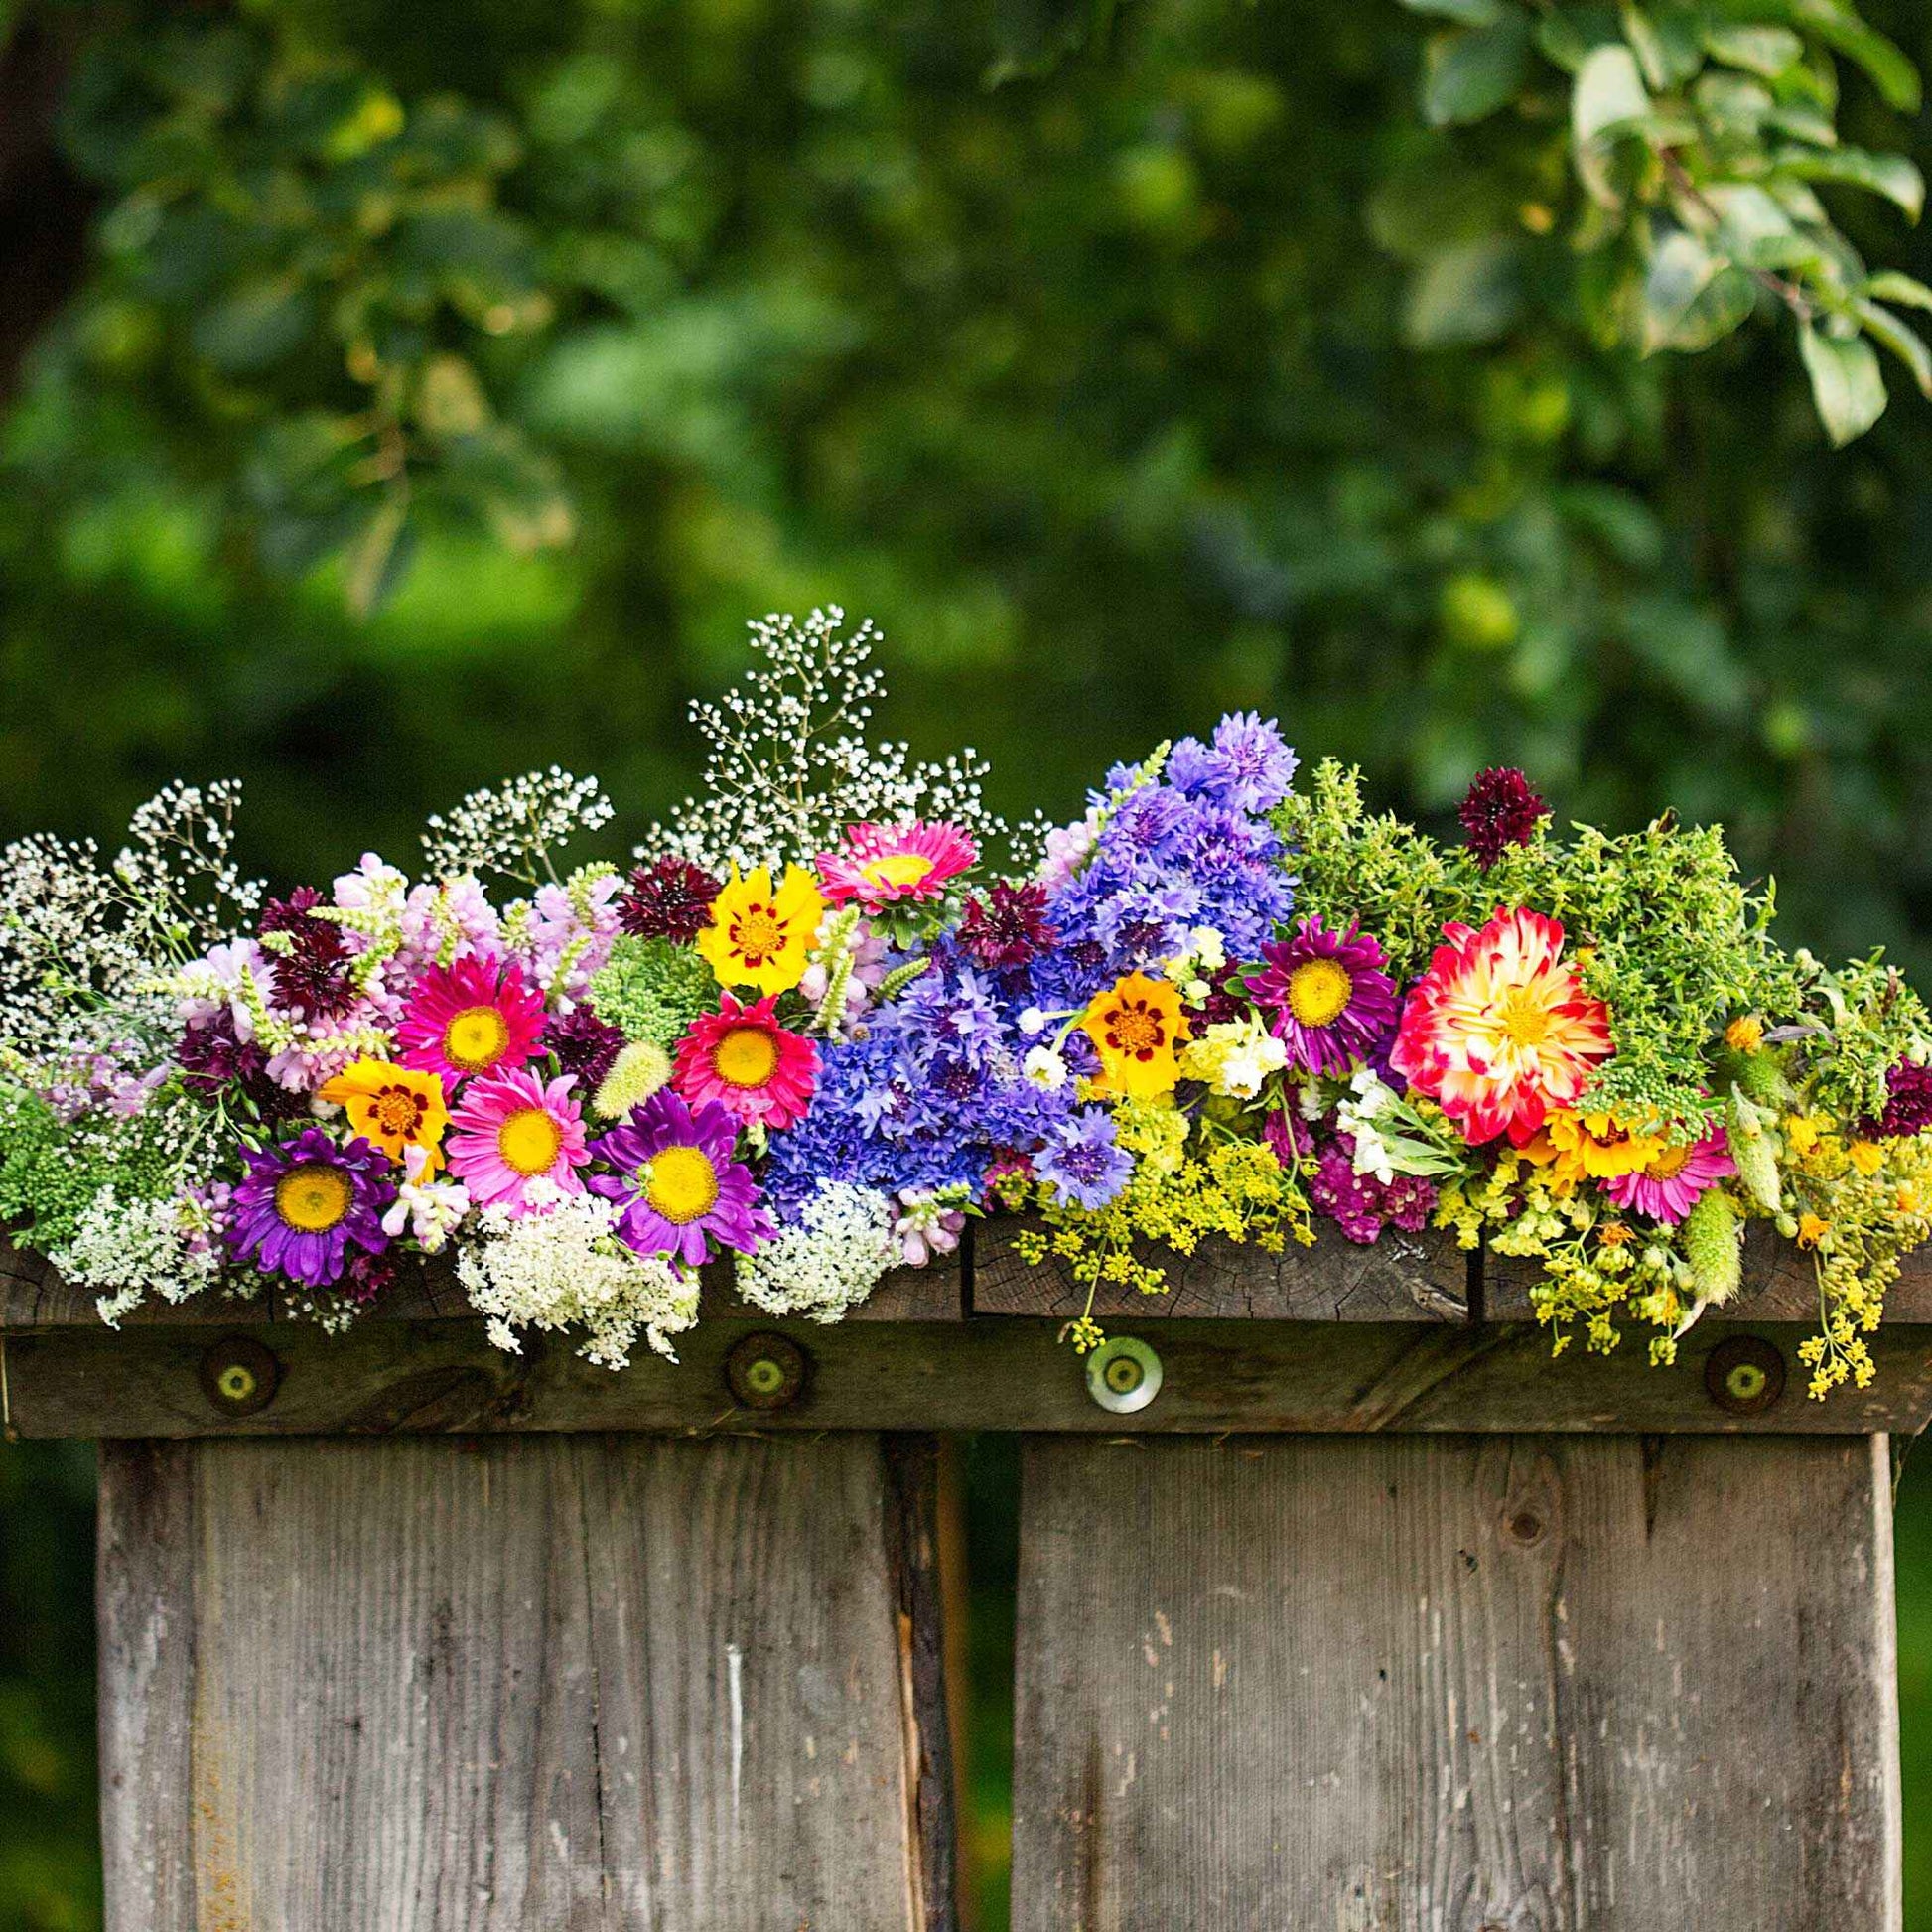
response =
{"points": [[1083, 1161]]}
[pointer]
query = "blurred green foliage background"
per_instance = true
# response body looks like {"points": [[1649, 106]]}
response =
{"points": [[1150, 382]]}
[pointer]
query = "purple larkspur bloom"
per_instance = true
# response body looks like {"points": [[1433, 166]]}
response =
{"points": [[678, 1183], [1083, 1161], [1332, 1003], [305, 1200], [1248, 768]]}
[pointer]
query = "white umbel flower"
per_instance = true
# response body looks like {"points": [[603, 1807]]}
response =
{"points": [[828, 1260]]}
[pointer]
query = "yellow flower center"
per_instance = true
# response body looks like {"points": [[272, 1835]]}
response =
{"points": [[529, 1141], [474, 1039], [895, 869], [681, 1184], [314, 1198], [1669, 1164], [1133, 1028], [758, 933], [1525, 1017], [1318, 991], [397, 1112], [746, 1056]]}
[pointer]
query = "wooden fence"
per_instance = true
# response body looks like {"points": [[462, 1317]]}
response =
{"points": [[1373, 1616]]}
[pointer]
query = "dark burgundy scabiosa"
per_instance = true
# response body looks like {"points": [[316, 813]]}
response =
{"points": [[311, 960], [583, 1044], [667, 898], [1909, 1103], [1500, 810], [1006, 928], [215, 1062], [365, 1278]]}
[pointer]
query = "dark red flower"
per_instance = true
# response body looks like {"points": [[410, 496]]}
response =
{"points": [[583, 1046], [667, 898], [213, 1061], [1909, 1103], [311, 972], [1006, 928], [365, 1278], [1499, 811]]}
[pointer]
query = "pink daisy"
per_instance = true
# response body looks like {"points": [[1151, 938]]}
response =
{"points": [[1668, 1188], [740, 1057], [883, 864], [476, 1016], [510, 1128]]}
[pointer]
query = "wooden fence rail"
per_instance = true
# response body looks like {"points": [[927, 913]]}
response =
{"points": [[1374, 1617]]}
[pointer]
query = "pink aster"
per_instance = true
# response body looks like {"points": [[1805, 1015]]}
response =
{"points": [[1332, 1003], [478, 1016], [755, 1068], [885, 864], [510, 1128], [1668, 1188]]}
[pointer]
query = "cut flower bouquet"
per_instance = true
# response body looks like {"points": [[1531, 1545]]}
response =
{"points": [[835, 1007]]}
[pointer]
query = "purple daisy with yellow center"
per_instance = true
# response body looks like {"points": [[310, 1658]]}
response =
{"points": [[1332, 1003], [305, 1202], [679, 1183]]}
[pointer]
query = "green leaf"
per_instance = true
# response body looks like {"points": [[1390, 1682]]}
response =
{"points": [[1889, 285], [1471, 71], [1889, 174], [1465, 13], [1680, 269], [1466, 295], [1666, 45], [1609, 94], [1768, 51], [1904, 341], [1846, 383], [1891, 72]]}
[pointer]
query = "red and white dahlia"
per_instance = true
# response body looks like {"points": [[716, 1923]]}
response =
{"points": [[887, 865], [1498, 1031]]}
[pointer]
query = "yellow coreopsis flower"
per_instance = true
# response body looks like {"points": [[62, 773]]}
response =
{"points": [[1866, 1155], [1136, 1024], [759, 937], [393, 1107], [1802, 1133]]}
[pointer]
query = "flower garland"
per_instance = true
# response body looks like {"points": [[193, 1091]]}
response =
{"points": [[817, 1024]]}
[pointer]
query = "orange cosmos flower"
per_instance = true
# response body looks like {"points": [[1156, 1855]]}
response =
{"points": [[1498, 1033], [763, 937], [1136, 1024]]}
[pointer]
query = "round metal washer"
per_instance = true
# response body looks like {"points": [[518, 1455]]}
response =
{"points": [[766, 1371], [1743, 1375], [239, 1376], [1123, 1374]]}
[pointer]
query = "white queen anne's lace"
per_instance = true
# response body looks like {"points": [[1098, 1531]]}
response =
{"points": [[127, 1248], [828, 1260]]}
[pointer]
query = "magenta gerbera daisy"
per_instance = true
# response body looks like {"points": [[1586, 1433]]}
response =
{"points": [[303, 1202], [755, 1068], [478, 1016], [511, 1129], [887, 865], [1667, 1190], [678, 1183], [1332, 1003]]}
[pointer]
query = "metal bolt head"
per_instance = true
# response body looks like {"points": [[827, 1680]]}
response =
{"points": [[239, 1376], [1743, 1375], [765, 1372], [1123, 1375]]}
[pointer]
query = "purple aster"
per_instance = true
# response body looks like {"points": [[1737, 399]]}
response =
{"points": [[1333, 1002], [1248, 768], [678, 1181], [1083, 1161], [305, 1200]]}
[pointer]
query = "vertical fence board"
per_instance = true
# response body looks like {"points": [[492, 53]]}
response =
{"points": [[1456, 1684], [528, 1685]]}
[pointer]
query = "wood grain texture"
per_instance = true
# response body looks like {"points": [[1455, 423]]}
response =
{"points": [[1780, 1283], [525, 1686], [1457, 1685], [444, 1378], [1402, 1278]]}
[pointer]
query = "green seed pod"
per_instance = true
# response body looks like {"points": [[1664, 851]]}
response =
{"points": [[1761, 1075], [1713, 1243], [1756, 1156]]}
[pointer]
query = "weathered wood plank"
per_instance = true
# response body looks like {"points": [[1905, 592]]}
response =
{"points": [[1542, 1683], [443, 1377], [1402, 1278], [1780, 1283], [517, 1687]]}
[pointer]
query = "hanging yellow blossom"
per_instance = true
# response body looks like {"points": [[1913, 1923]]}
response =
{"points": [[1136, 1024], [1866, 1155], [1745, 1034], [762, 938], [393, 1107], [1812, 1230]]}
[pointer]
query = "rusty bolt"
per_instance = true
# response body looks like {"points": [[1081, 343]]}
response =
{"points": [[766, 1371], [239, 1376], [1743, 1375]]}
